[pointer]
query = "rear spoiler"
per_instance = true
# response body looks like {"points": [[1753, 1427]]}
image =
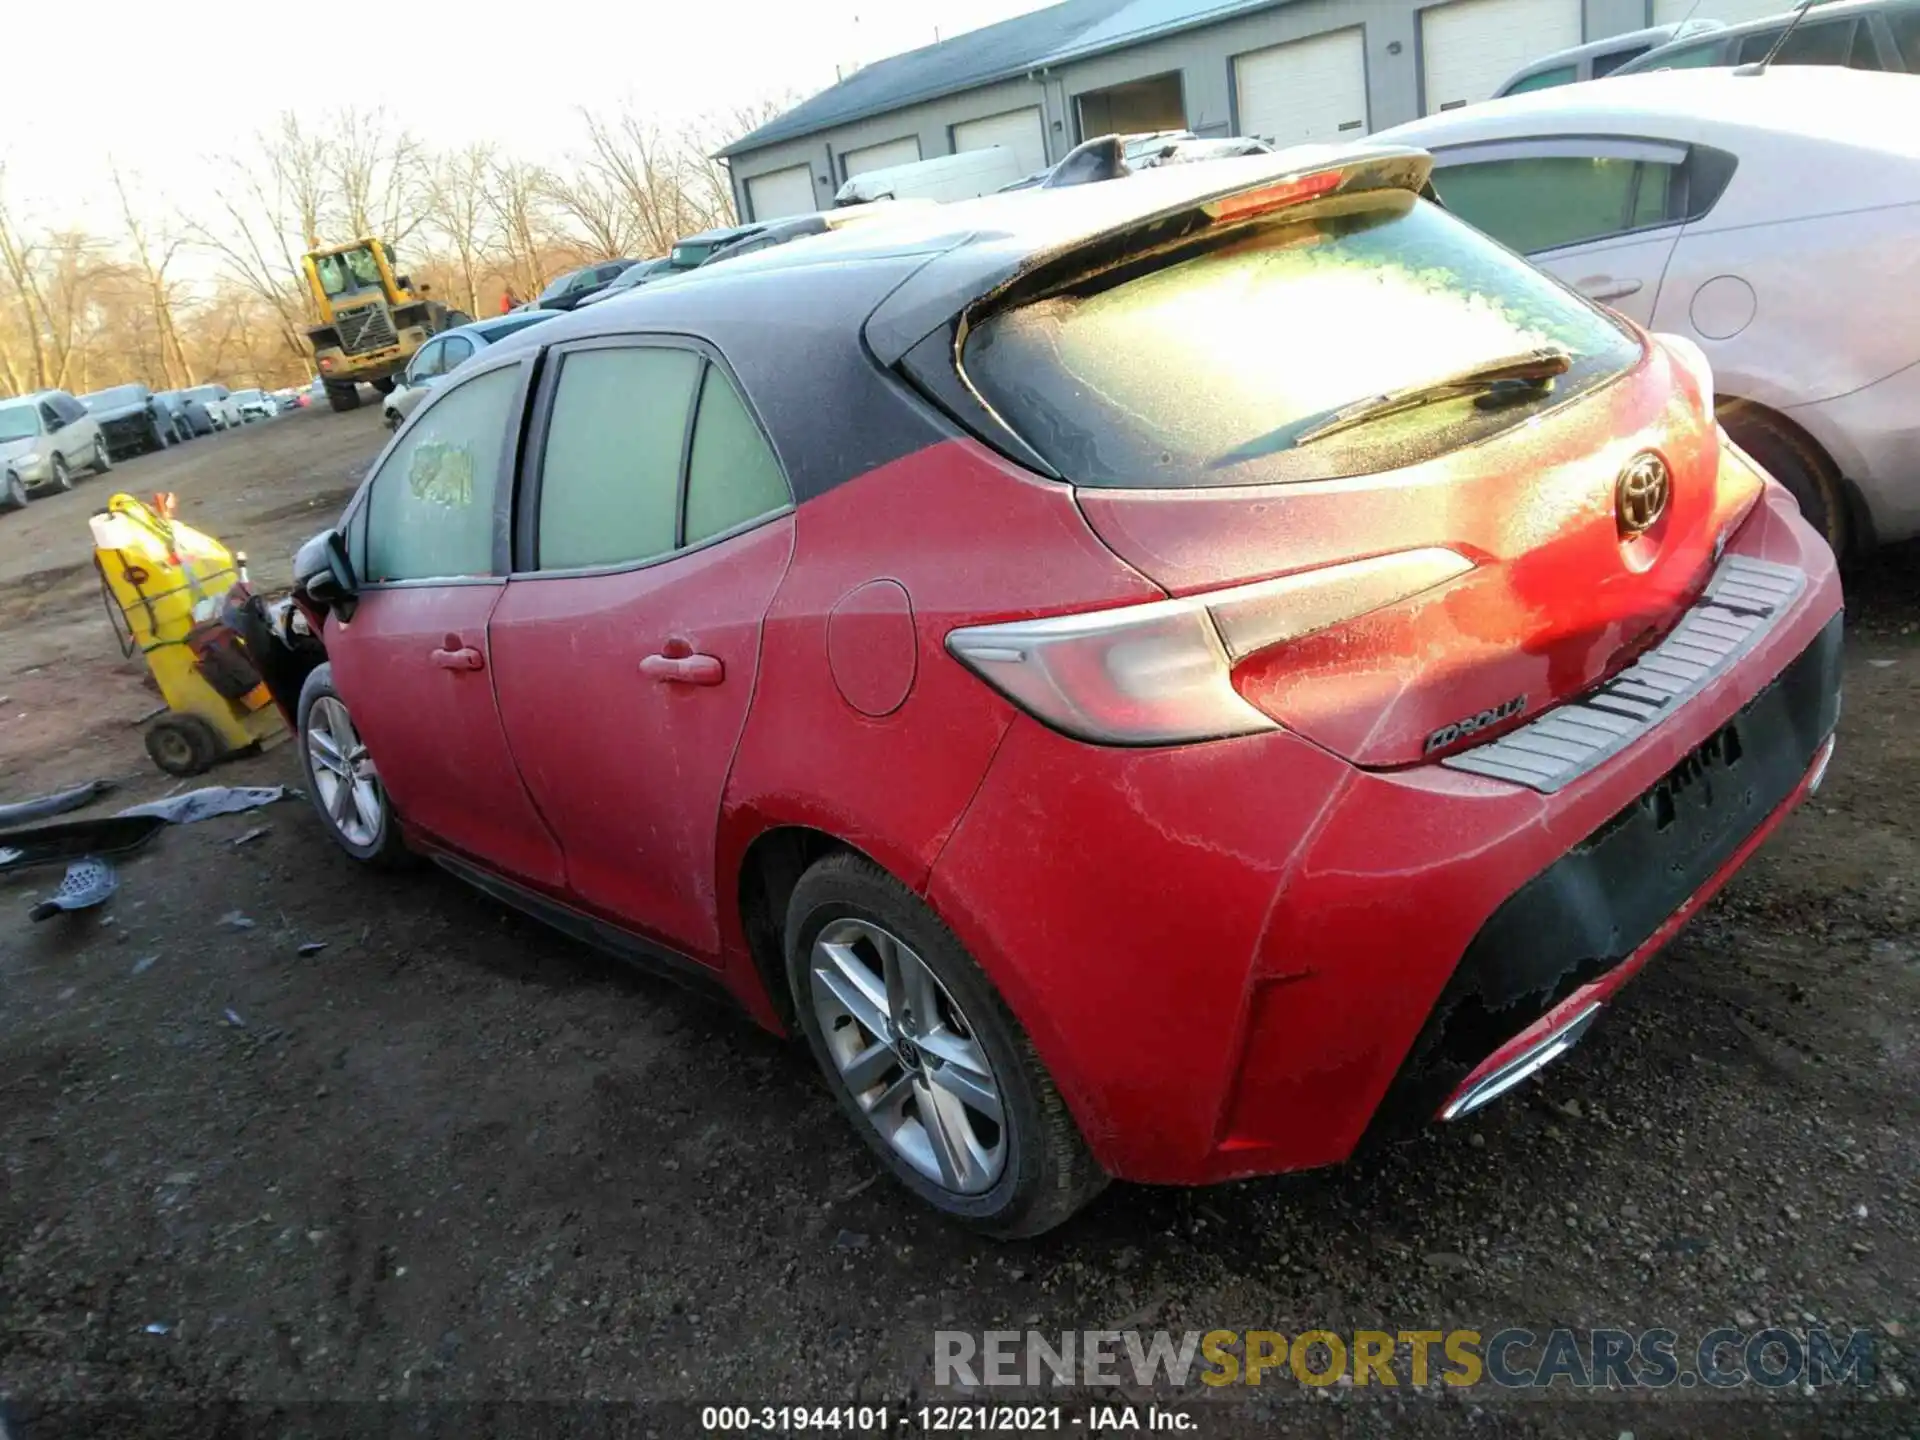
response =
{"points": [[990, 271]]}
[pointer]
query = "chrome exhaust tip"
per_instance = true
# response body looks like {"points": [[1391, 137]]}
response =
{"points": [[1530, 1061]]}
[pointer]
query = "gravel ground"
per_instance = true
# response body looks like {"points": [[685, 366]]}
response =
{"points": [[451, 1157]]}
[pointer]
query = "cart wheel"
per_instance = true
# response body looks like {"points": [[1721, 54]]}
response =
{"points": [[183, 744]]}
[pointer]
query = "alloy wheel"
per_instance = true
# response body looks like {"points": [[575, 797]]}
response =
{"points": [[908, 1056], [61, 479], [347, 786]]}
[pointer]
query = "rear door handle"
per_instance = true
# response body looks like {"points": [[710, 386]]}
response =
{"points": [[684, 669], [455, 656], [1605, 287]]}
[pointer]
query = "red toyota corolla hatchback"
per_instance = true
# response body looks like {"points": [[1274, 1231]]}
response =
{"points": [[1167, 679]]}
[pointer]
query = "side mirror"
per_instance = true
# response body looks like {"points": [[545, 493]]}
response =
{"points": [[324, 571], [55, 425]]}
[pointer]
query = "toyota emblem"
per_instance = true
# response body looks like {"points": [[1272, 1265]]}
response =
{"points": [[1642, 493]]}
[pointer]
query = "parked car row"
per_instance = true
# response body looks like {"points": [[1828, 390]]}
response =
{"points": [[50, 438]]}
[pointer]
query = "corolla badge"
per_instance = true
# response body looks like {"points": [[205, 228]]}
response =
{"points": [[1642, 493]]}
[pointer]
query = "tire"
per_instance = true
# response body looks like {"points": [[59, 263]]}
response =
{"points": [[102, 456], [343, 397], [1797, 463], [182, 744], [13, 492], [157, 438], [363, 823], [1031, 1170], [60, 479], [384, 385]]}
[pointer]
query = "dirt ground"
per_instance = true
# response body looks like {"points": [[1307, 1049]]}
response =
{"points": [[453, 1157]]}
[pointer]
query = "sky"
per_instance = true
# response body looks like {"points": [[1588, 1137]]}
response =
{"points": [[162, 90]]}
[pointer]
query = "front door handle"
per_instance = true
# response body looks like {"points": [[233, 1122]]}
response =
{"points": [[455, 656], [684, 669], [1605, 287]]}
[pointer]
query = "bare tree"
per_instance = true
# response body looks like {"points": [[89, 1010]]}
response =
{"points": [[516, 198], [459, 216], [153, 257], [380, 177], [17, 255]]}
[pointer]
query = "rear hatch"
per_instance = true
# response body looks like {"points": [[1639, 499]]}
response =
{"points": [[1262, 400]]}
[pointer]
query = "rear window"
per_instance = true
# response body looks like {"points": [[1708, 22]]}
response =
{"points": [[1205, 369]]}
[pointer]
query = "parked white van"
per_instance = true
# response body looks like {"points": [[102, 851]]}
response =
{"points": [[945, 177]]}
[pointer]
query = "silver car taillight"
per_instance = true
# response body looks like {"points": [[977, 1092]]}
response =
{"points": [[1162, 673]]}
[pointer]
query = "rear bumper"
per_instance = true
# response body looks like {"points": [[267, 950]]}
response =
{"points": [[1576, 932], [1234, 957]]}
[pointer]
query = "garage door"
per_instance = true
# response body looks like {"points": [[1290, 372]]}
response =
{"points": [[1672, 12], [878, 157], [1019, 130], [1309, 90], [1469, 47], [782, 192]]}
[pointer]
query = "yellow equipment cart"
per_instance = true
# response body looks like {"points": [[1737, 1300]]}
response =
{"points": [[165, 584]]}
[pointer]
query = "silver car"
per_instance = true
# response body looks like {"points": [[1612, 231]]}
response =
{"points": [[44, 439], [439, 356]]}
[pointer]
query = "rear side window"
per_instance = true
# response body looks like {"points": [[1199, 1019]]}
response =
{"points": [[610, 482], [430, 509], [1810, 44], [1693, 57], [732, 476], [1906, 36], [1604, 65], [1544, 80], [1201, 368], [1540, 203]]}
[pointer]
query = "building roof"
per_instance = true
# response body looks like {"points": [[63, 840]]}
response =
{"points": [[1070, 30]]}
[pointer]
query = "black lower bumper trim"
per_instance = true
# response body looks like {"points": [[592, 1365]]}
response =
{"points": [[1596, 905]]}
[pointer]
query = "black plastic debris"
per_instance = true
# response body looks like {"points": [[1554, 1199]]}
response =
{"points": [[43, 807], [89, 881]]}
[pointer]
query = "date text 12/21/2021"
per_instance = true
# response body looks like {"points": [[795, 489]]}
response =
{"points": [[943, 1419]]}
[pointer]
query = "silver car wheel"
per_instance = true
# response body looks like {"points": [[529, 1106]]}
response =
{"points": [[347, 786], [908, 1056]]}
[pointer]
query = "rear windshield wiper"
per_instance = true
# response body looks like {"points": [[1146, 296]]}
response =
{"points": [[1523, 374]]}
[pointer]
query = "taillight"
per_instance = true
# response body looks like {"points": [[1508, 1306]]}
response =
{"points": [[1162, 673]]}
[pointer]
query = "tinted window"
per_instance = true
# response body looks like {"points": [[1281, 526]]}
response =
{"points": [[1604, 65], [1906, 36], [426, 364], [1203, 368], [732, 476], [1535, 204], [49, 416], [430, 509], [1692, 57], [1810, 44], [1544, 80], [610, 479]]}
